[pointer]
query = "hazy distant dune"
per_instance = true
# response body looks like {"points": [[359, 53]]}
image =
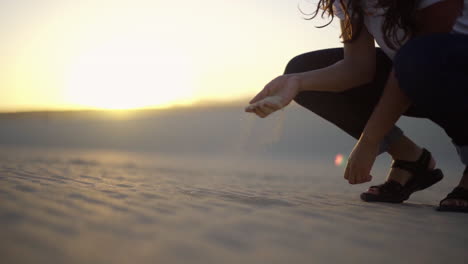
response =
{"points": [[209, 129]]}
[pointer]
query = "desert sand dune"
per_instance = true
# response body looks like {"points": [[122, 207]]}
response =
{"points": [[108, 207]]}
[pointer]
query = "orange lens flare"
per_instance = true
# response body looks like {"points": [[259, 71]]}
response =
{"points": [[339, 159]]}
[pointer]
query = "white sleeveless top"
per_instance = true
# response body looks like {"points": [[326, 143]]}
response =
{"points": [[373, 20], [461, 25]]}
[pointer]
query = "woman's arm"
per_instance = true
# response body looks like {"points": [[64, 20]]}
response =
{"points": [[436, 18], [356, 68], [392, 104]]}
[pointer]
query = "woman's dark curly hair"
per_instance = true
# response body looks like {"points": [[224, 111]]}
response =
{"points": [[399, 14]]}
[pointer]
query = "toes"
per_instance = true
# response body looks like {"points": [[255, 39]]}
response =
{"points": [[449, 202], [455, 202], [462, 203], [373, 190]]}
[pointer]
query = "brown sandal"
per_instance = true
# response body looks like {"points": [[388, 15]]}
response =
{"points": [[458, 193], [393, 192]]}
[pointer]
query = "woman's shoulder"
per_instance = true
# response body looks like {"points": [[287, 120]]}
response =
{"points": [[371, 6], [425, 3], [338, 8]]}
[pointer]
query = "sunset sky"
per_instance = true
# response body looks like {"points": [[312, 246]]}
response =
{"points": [[115, 54]]}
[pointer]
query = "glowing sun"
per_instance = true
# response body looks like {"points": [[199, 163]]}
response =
{"points": [[118, 76]]}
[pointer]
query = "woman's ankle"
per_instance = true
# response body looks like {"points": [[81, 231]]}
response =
{"points": [[464, 180], [405, 149]]}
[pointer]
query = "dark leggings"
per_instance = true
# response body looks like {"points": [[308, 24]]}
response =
{"points": [[415, 65]]}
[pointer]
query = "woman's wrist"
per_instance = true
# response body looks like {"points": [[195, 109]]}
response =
{"points": [[369, 139], [298, 78]]}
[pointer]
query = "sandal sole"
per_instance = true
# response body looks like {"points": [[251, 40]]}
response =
{"points": [[434, 177], [455, 209]]}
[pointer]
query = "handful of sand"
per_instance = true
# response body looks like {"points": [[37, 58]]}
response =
{"points": [[270, 102]]}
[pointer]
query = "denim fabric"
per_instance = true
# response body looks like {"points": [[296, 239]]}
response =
{"points": [[463, 153], [433, 71]]}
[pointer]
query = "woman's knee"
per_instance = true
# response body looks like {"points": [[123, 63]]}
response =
{"points": [[301, 99], [313, 60], [416, 67], [297, 64]]}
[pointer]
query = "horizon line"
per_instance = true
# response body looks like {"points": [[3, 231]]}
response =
{"points": [[198, 104]]}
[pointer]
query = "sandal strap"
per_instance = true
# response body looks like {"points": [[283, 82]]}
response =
{"points": [[389, 187], [414, 167], [457, 193]]}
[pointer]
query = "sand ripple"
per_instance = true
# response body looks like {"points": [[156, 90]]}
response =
{"points": [[89, 208]]}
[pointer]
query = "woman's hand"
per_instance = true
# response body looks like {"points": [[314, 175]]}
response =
{"points": [[277, 94], [360, 162]]}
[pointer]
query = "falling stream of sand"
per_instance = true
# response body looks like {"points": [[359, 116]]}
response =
{"points": [[271, 129]]}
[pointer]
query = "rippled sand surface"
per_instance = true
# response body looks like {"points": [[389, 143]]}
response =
{"points": [[107, 207]]}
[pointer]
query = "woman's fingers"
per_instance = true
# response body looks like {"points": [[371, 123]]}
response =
{"points": [[276, 94], [271, 88], [275, 106], [284, 87], [359, 176], [262, 94], [267, 110], [360, 162], [347, 172], [356, 175], [266, 107], [259, 96], [259, 112], [353, 174], [250, 108]]}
